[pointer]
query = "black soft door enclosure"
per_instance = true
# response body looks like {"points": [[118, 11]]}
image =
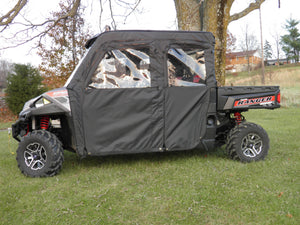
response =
{"points": [[185, 117], [142, 91], [123, 120]]}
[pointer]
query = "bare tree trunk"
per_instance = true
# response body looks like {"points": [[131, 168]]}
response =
{"points": [[277, 42], [247, 49], [262, 51], [188, 15], [216, 19]]}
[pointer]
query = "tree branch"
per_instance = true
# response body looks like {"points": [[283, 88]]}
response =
{"points": [[18, 7], [74, 9], [250, 8], [31, 27], [132, 9], [109, 6], [100, 14], [113, 23], [29, 31], [11, 15]]}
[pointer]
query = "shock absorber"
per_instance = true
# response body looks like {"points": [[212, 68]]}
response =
{"points": [[238, 118], [44, 122], [27, 129]]}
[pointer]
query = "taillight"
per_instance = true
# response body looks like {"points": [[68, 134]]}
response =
{"points": [[278, 97]]}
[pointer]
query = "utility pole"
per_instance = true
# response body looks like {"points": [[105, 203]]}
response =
{"points": [[262, 50]]}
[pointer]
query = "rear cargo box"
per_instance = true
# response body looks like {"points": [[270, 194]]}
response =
{"points": [[248, 97]]}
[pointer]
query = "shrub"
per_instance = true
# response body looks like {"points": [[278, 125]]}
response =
{"points": [[22, 85]]}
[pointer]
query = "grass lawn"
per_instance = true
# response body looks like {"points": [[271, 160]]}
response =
{"points": [[5, 125], [193, 187]]}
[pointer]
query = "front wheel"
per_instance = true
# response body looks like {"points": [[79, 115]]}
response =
{"points": [[40, 154], [247, 142]]}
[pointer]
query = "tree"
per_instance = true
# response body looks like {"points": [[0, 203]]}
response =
{"points": [[66, 47], [29, 30], [262, 49], [291, 41], [213, 16], [5, 68], [276, 39], [248, 43], [65, 29], [267, 50], [22, 85]]}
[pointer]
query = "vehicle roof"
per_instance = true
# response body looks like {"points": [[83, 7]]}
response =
{"points": [[140, 35]]}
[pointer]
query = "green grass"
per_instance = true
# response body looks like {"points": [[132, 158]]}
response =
{"points": [[193, 187], [231, 77], [4, 126]]}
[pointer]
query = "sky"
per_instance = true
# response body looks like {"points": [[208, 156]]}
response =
{"points": [[152, 15]]}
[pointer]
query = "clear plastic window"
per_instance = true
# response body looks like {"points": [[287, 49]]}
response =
{"points": [[124, 68], [186, 67]]}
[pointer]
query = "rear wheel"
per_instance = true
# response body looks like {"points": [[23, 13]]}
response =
{"points": [[247, 142], [40, 154]]}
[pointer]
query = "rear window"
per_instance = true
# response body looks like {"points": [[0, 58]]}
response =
{"points": [[186, 67]]}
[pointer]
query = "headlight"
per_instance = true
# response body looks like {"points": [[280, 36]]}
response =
{"points": [[61, 96], [41, 102]]}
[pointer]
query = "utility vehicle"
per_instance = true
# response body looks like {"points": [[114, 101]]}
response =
{"points": [[137, 92]]}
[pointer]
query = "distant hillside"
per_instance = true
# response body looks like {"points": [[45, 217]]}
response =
{"points": [[287, 77]]}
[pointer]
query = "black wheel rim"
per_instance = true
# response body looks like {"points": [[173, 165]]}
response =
{"points": [[35, 156]]}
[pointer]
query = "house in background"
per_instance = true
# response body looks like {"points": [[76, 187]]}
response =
{"points": [[274, 62], [238, 61]]}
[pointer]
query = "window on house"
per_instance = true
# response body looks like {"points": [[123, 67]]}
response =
{"points": [[123, 68], [186, 67]]}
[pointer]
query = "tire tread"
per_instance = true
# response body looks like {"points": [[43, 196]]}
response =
{"points": [[234, 137], [56, 158]]}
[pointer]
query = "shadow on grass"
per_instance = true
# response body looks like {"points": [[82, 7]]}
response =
{"points": [[72, 161]]}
